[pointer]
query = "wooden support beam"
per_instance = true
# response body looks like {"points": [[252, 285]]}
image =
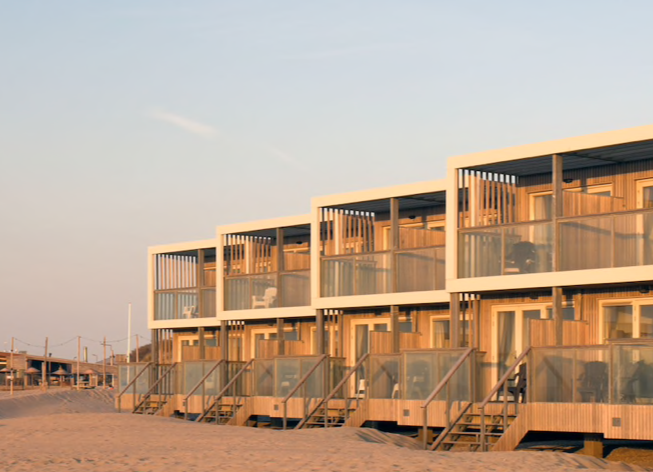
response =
{"points": [[454, 321], [394, 241], [558, 205], [341, 335], [155, 346], [557, 314], [394, 328], [280, 337], [593, 445], [201, 342], [224, 340], [280, 262], [319, 333]]}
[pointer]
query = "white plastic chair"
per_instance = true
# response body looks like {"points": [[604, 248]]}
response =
{"points": [[267, 300]]}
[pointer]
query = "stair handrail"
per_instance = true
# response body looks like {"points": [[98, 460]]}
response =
{"points": [[154, 385], [436, 391], [198, 385], [226, 388], [502, 383], [133, 381], [334, 391], [301, 382]]}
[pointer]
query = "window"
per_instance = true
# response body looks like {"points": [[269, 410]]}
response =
{"points": [[645, 193], [627, 319], [541, 206]]}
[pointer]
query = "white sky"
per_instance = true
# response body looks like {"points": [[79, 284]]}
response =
{"points": [[125, 124]]}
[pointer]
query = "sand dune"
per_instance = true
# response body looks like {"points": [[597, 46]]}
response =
{"points": [[66, 436]]}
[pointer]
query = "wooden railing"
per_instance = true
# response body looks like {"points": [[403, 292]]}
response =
{"points": [[223, 392], [436, 391], [156, 385], [132, 383], [501, 384], [332, 394], [301, 383], [199, 384]]}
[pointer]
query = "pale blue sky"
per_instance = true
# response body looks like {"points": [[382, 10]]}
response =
{"points": [[125, 124]]}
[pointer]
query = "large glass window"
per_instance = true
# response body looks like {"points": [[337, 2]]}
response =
{"points": [[627, 320]]}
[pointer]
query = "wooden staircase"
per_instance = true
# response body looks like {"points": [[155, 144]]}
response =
{"points": [[465, 434], [149, 407], [155, 399], [222, 413], [326, 416]]}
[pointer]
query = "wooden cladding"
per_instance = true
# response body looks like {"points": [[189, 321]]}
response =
{"points": [[346, 231], [175, 271], [249, 255], [487, 198]]}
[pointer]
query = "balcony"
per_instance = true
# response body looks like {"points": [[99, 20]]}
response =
{"points": [[184, 285], [622, 239]]}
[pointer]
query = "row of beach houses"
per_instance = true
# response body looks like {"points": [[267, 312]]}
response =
{"points": [[514, 296]]}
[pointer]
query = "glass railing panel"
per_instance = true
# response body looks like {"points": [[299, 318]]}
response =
{"points": [[586, 243], [420, 269], [569, 375], [127, 372], [356, 274], [632, 374], [263, 377], [296, 288], [384, 376], [633, 239], [506, 250], [288, 374], [192, 372], [337, 370], [579, 204], [176, 304], [250, 291], [208, 303], [423, 370], [314, 386]]}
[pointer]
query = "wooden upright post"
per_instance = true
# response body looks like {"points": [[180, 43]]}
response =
{"points": [[280, 337], [280, 266], [138, 349], [394, 328], [224, 340], [454, 309], [557, 314], [558, 207], [394, 242], [319, 333], [201, 342]]}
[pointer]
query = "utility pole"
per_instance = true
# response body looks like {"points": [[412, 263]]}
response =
{"points": [[44, 374], [11, 367], [129, 333], [104, 363], [138, 348], [79, 355]]}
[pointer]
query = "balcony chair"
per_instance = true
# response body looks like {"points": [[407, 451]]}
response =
{"points": [[361, 390], [189, 312], [267, 300], [594, 382], [638, 383], [522, 258]]}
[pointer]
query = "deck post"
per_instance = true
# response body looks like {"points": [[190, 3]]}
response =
{"points": [[394, 243], [593, 445], [319, 332], [280, 337], [201, 343], [557, 314], [454, 309], [394, 328], [280, 263]]}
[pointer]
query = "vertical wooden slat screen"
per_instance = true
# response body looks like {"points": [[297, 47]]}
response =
{"points": [[487, 198]]}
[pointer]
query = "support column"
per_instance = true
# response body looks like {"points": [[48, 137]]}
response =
{"points": [[454, 321], [394, 328], [341, 335], [224, 340], [556, 179], [201, 343], [319, 333], [154, 346], [280, 266], [394, 242], [280, 337], [557, 314], [593, 445]]}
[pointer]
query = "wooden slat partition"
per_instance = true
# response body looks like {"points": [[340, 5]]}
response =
{"points": [[347, 231], [488, 198]]}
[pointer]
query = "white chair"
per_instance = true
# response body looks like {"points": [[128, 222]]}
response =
{"points": [[395, 391], [189, 312], [362, 388], [267, 300]]}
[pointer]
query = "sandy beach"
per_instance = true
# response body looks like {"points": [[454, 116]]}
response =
{"points": [[70, 431]]}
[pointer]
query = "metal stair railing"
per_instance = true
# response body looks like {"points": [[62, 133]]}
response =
{"points": [[200, 384], [502, 383], [223, 392], [436, 391], [155, 385], [130, 384], [332, 394], [301, 383]]}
